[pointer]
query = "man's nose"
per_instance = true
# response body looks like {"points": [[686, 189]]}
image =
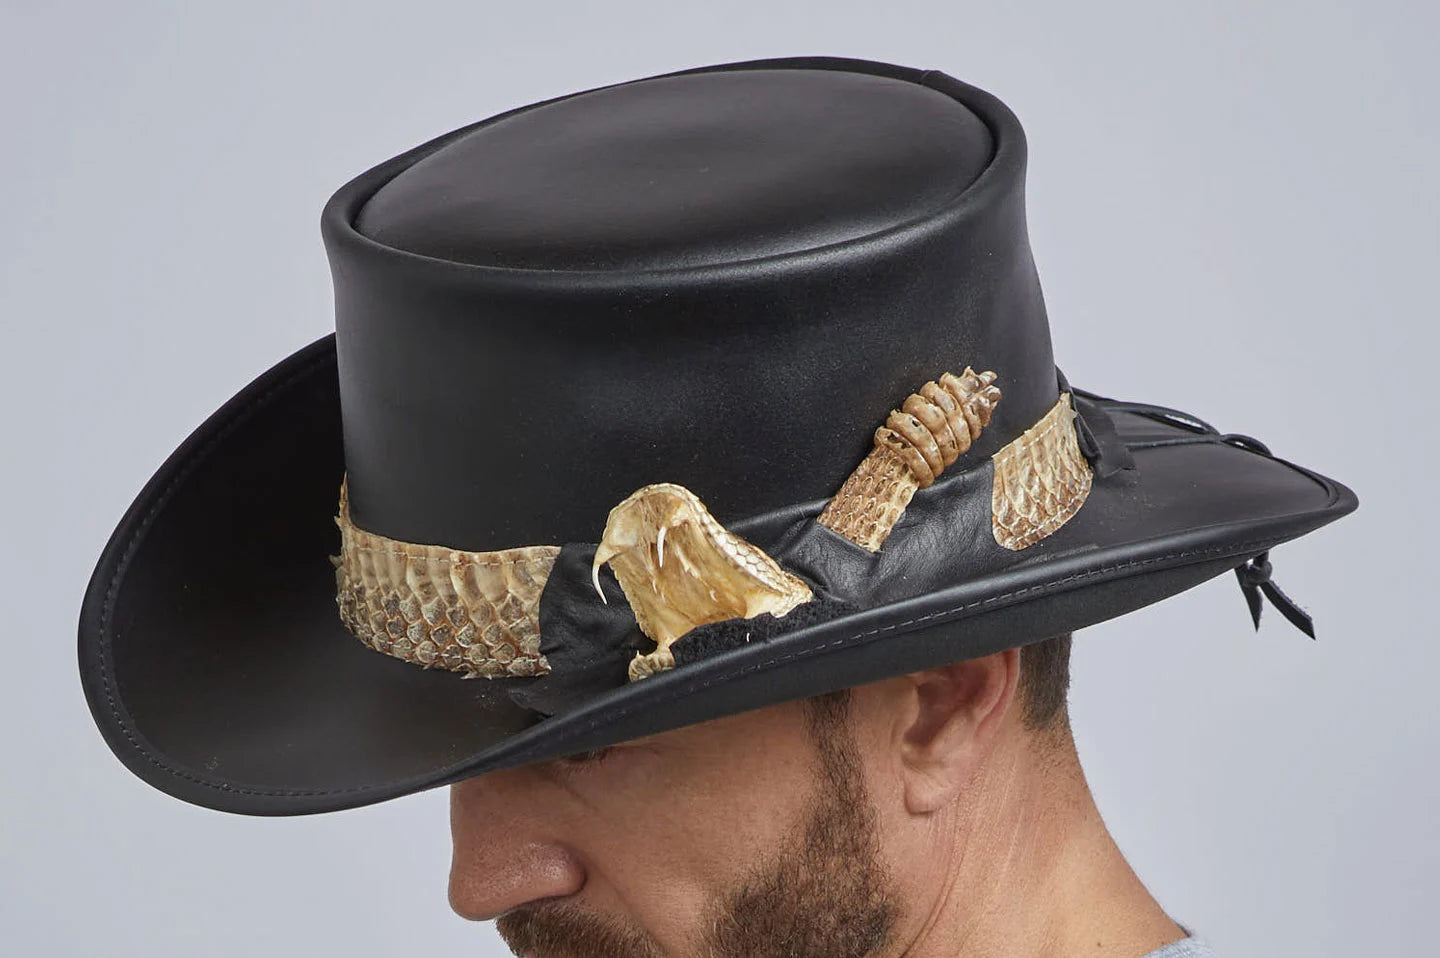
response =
{"points": [[505, 851]]}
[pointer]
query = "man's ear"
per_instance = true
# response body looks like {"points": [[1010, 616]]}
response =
{"points": [[953, 717]]}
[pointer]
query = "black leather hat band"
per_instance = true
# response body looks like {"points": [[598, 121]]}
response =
{"points": [[478, 612]]}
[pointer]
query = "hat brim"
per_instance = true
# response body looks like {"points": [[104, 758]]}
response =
{"points": [[218, 670]]}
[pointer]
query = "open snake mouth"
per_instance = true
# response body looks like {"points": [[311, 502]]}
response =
{"points": [[680, 568]]}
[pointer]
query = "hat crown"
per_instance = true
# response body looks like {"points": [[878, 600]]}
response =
{"points": [[686, 171], [724, 278]]}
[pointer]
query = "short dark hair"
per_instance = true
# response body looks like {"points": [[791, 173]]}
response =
{"points": [[1044, 686], [1043, 689]]}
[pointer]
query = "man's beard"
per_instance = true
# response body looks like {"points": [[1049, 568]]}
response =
{"points": [[825, 894]]}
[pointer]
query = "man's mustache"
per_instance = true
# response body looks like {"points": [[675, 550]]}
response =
{"points": [[559, 929]]}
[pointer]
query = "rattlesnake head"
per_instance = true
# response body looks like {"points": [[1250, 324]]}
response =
{"points": [[680, 568]]}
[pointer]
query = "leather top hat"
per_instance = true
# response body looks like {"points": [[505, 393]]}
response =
{"points": [[647, 405]]}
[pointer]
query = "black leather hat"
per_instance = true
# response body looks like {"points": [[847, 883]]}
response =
{"points": [[647, 405]]}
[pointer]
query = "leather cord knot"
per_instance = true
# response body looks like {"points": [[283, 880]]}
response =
{"points": [[1255, 572], [1108, 454], [1095, 433], [1255, 582]]}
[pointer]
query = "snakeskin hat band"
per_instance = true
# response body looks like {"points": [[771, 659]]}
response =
{"points": [[478, 612]]}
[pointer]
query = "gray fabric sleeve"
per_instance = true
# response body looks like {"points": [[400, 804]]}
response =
{"points": [[1190, 947]]}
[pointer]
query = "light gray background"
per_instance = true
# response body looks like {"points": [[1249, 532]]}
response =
{"points": [[1234, 210]]}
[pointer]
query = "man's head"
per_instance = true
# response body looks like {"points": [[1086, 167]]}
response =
{"points": [[800, 829]]}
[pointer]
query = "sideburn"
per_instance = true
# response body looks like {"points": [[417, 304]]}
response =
{"points": [[826, 893]]}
